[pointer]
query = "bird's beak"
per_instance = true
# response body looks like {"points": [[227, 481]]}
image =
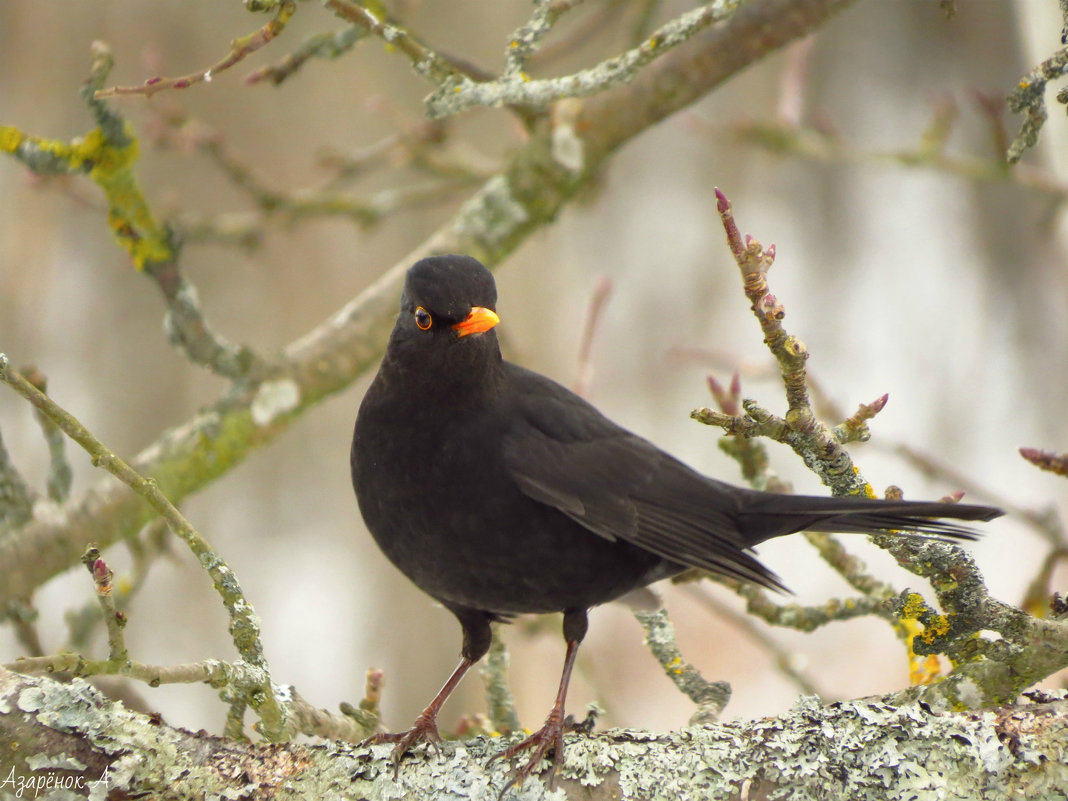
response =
{"points": [[477, 321]]}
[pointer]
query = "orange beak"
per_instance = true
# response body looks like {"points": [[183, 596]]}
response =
{"points": [[477, 321]]}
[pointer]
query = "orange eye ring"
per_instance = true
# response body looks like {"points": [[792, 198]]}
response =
{"points": [[423, 320]]}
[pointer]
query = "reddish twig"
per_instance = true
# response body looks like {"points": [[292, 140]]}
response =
{"points": [[239, 49], [601, 291], [1047, 460]]}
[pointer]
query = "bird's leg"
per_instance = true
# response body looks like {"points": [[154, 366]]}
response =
{"points": [[477, 637], [549, 739], [425, 727]]}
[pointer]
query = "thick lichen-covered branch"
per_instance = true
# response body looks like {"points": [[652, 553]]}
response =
{"points": [[996, 649], [876, 750]]}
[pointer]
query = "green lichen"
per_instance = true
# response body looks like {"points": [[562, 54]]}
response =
{"points": [[109, 162]]}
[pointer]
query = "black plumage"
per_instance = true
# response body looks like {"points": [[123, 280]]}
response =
{"points": [[499, 492]]}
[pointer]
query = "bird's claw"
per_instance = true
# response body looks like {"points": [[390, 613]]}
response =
{"points": [[549, 739], [425, 729]]}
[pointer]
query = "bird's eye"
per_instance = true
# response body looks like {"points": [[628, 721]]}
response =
{"points": [[423, 320]]}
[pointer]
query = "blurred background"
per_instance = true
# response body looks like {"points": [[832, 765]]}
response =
{"points": [[947, 292]]}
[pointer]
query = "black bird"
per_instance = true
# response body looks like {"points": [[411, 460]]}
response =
{"points": [[499, 492]]}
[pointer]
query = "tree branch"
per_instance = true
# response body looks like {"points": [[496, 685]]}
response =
{"points": [[72, 733], [492, 223]]}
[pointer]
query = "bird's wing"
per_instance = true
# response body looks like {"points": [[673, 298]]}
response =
{"points": [[562, 452]]}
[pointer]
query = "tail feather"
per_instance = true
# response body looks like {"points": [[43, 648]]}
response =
{"points": [[768, 515]]}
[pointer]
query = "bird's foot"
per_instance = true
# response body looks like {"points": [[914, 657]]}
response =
{"points": [[546, 742], [425, 729]]}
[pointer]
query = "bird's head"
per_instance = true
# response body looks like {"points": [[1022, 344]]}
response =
{"points": [[446, 317]]}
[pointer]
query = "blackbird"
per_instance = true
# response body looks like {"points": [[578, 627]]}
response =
{"points": [[499, 492]]}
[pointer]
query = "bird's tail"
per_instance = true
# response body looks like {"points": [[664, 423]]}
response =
{"points": [[767, 515]]}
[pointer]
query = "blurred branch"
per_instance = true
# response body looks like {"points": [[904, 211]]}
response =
{"points": [[322, 45], [16, 496], [59, 472], [433, 65], [107, 155], [239, 49], [515, 88], [494, 672], [784, 660], [175, 129], [602, 290], [826, 147], [188, 330]]}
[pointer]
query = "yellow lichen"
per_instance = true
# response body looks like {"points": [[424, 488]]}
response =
{"points": [[922, 670], [110, 167], [10, 138]]}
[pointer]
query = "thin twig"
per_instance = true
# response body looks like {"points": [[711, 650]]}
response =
{"points": [[435, 66], [1056, 463], [59, 472], [598, 298], [784, 660], [240, 48], [114, 620], [244, 624]]}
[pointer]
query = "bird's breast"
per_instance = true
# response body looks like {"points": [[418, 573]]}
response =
{"points": [[439, 501]]}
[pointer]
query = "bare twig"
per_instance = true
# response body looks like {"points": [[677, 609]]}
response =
{"points": [[784, 660], [59, 472], [598, 298], [244, 625], [1056, 463], [433, 65], [322, 45], [114, 620], [855, 427], [240, 48]]}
